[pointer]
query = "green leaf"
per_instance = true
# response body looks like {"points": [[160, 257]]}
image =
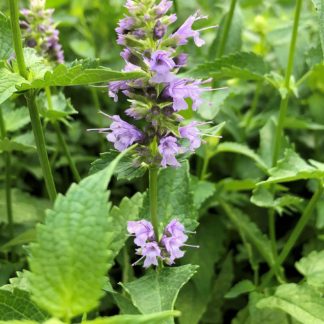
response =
{"points": [[175, 199], [292, 168], [319, 5], [61, 111], [72, 254], [21, 143], [232, 147], [157, 290], [128, 168], [26, 208], [15, 119], [20, 239], [301, 302], [242, 287], [247, 66], [80, 74], [194, 297], [8, 82], [201, 190], [5, 37], [264, 197], [17, 305], [251, 232], [155, 318], [129, 209], [312, 267]]}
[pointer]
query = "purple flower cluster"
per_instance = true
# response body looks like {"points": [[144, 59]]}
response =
{"points": [[39, 31], [156, 100], [168, 249]]}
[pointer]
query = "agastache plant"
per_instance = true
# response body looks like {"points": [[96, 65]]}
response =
{"points": [[39, 31], [162, 136]]}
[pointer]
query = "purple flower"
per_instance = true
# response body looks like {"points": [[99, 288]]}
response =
{"points": [[176, 229], [172, 245], [169, 148], [181, 89], [115, 87], [185, 31], [162, 64], [125, 25], [143, 231], [122, 134], [163, 7], [191, 132], [151, 252], [181, 60], [159, 30]]}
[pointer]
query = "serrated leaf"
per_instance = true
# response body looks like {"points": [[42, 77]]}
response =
{"points": [[292, 168], [63, 76], [201, 190], [128, 168], [5, 37], [242, 287], [72, 255], [301, 302], [15, 119], [17, 305], [243, 65], [175, 199], [319, 5], [251, 232], [157, 290], [232, 147], [8, 82], [312, 268], [128, 209]]}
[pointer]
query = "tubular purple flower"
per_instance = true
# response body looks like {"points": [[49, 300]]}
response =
{"points": [[143, 231], [172, 245], [163, 7], [151, 252], [169, 148], [162, 64], [116, 86], [176, 229], [191, 132], [185, 31], [122, 134]]}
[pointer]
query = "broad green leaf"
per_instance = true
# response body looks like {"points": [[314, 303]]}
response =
{"points": [[80, 74], [312, 267], [15, 119], [248, 66], [20, 144], [242, 287], [175, 199], [155, 318], [231, 147], [229, 184], [6, 47], [129, 209], [157, 290], [201, 190], [194, 297], [251, 232], [319, 5], [128, 168], [26, 208], [299, 301], [82, 48], [36, 65], [17, 305], [8, 82], [72, 254], [292, 168]]}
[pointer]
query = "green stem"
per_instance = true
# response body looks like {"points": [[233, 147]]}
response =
{"points": [[7, 164], [153, 189], [40, 143], [284, 101], [294, 236], [204, 168], [61, 139], [224, 33], [16, 33]]}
